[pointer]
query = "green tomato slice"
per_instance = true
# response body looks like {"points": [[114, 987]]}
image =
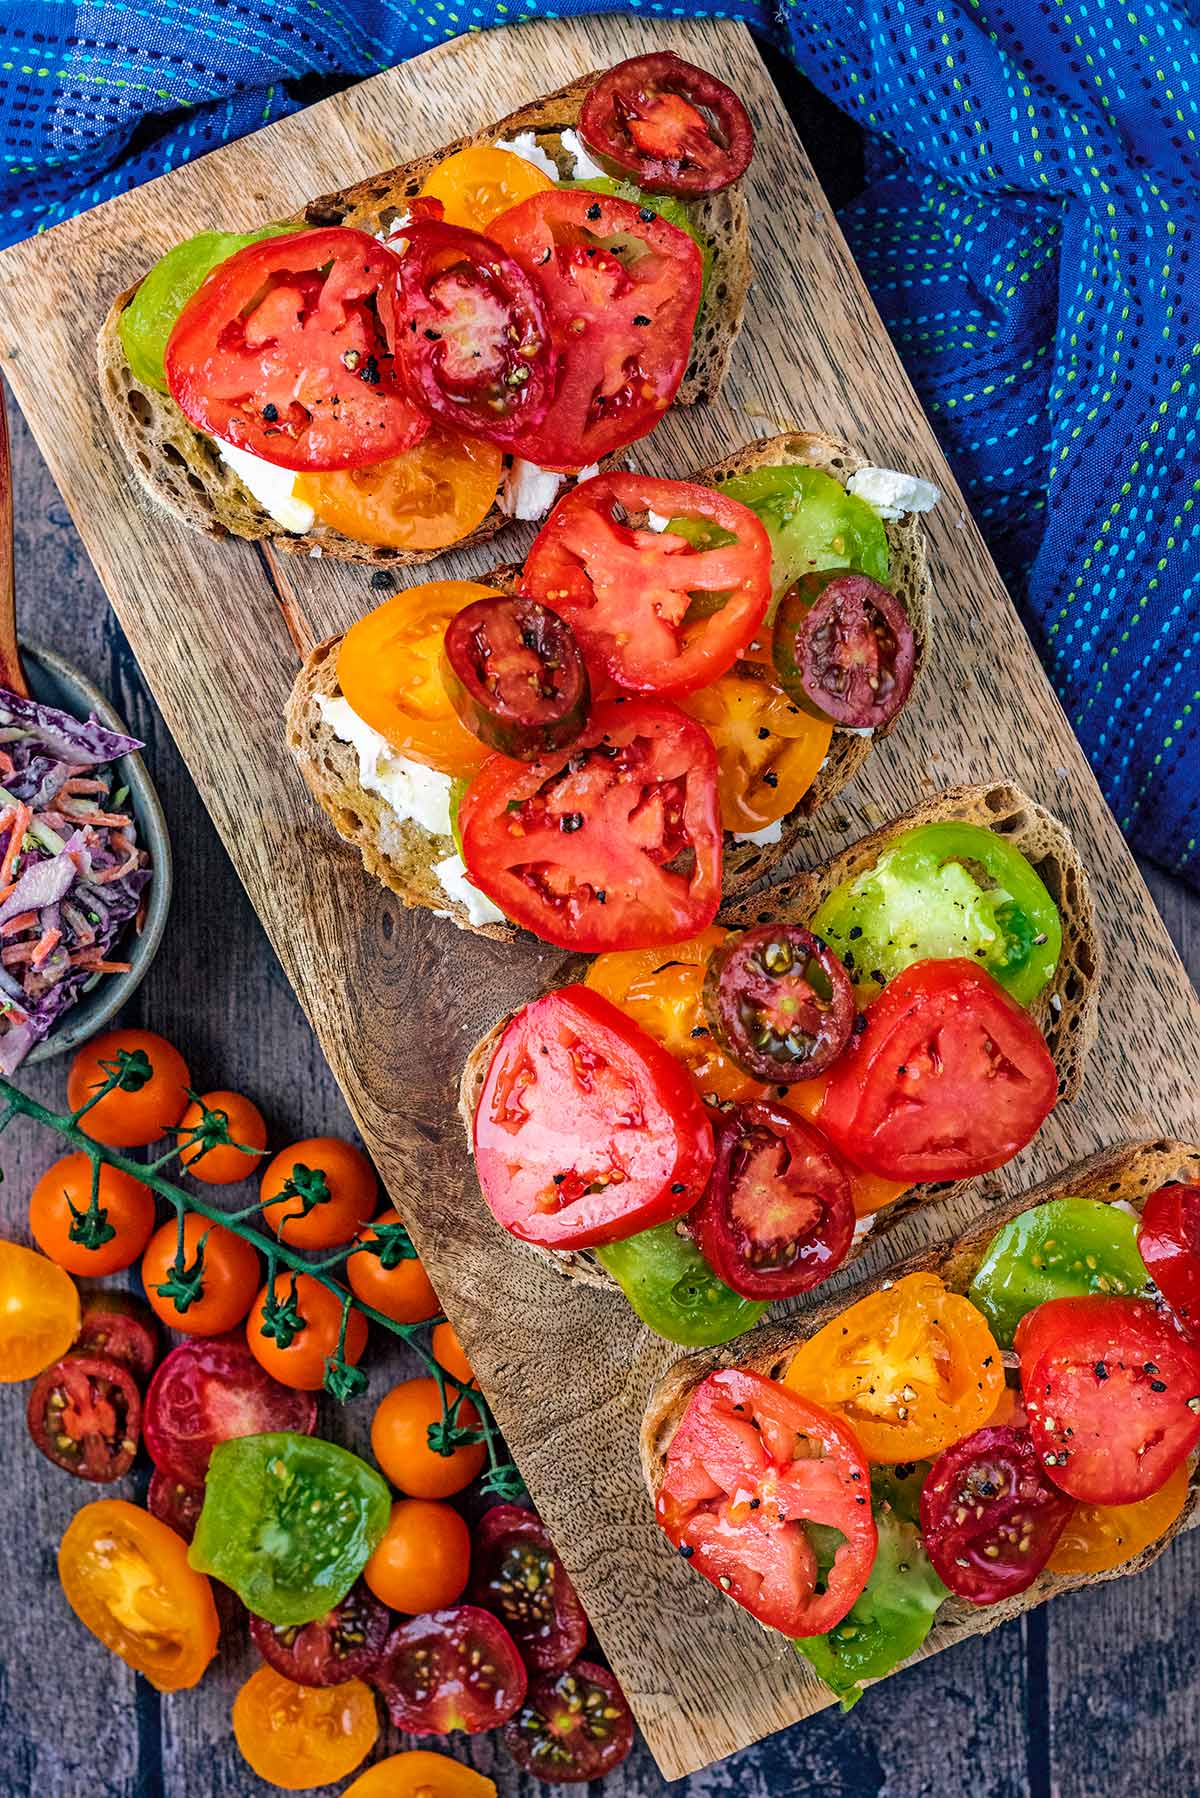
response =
{"points": [[674, 1291], [289, 1522], [149, 318], [813, 523], [943, 890], [1067, 1248]]}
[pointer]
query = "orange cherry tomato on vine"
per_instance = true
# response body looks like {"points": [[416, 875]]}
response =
{"points": [[123, 1118], [39, 1313], [424, 1558], [387, 1273], [300, 1362], [63, 1225], [216, 1295], [400, 1442], [479, 183], [433, 495], [296, 1737], [127, 1579], [420, 1773], [1097, 1537], [448, 1352], [332, 1188], [224, 1164]]}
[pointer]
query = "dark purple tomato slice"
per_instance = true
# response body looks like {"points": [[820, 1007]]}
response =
{"points": [[516, 677], [85, 1414], [347, 1643], [174, 1503], [844, 649], [452, 1669], [118, 1326], [1169, 1243], [778, 1215], [573, 1726], [209, 1390], [989, 1515], [675, 128], [779, 1002], [517, 1575]]}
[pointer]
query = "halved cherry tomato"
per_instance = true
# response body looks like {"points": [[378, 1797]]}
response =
{"points": [[477, 184], [777, 1217], [516, 677], [150, 1101], [843, 647], [301, 1361], [287, 350], [1113, 1395], [673, 127], [408, 1421], [870, 1192], [452, 1669], [39, 1312], [297, 1736], [389, 669], [949, 1077], [228, 1276], [587, 1131], [614, 844], [516, 1574], [433, 495], [419, 1773], [58, 1207], [1169, 1244], [448, 1352], [779, 1002], [347, 1643], [318, 1193], [573, 1726], [627, 591], [123, 1328], [175, 1504], [623, 288], [989, 1515], [85, 1415], [1098, 1537], [769, 751], [210, 1390], [422, 1561], [384, 1271], [750, 1465], [912, 1368], [225, 1163], [127, 1579]]}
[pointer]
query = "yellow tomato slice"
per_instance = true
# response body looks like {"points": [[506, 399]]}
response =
{"points": [[1098, 1537], [296, 1736], [477, 184], [389, 669], [768, 750], [420, 1773], [433, 495], [870, 1192], [39, 1312]]}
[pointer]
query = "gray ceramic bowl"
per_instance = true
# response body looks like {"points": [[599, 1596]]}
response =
{"points": [[55, 682]]}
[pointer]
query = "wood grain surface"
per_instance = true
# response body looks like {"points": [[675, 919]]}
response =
{"points": [[395, 998]]}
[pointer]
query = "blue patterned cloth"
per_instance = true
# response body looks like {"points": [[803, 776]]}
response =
{"points": [[1030, 232]]}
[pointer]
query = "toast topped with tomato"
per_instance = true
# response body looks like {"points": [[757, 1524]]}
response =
{"points": [[422, 317], [1004, 1417], [771, 532]]}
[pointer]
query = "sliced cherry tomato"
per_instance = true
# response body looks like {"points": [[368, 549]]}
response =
{"points": [[587, 1130], [209, 1390], [389, 669], [1098, 1537], [675, 128], [777, 1217], [869, 1192], [347, 1643], [452, 1669], [423, 1560], [1169, 1243], [623, 288], [39, 1312], [477, 184], [85, 1415], [173, 1503], [948, 1078], [433, 495], [121, 1327], [750, 1465], [203, 1284], [384, 1271], [419, 1773], [288, 350], [517, 1575], [1113, 1395], [127, 1579], [300, 1360], [779, 1002], [296, 1736], [615, 844], [844, 648], [989, 1515], [318, 1193], [516, 677], [628, 591], [401, 1442], [84, 1241], [224, 1164], [911, 1368], [769, 750], [574, 1725], [152, 1095]]}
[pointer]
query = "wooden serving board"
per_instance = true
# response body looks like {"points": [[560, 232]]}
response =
{"points": [[397, 998]]}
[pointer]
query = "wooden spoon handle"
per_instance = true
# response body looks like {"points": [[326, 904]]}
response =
{"points": [[12, 675]]}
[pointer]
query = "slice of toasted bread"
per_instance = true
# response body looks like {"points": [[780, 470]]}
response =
{"points": [[1126, 1173], [181, 468], [1066, 1012]]}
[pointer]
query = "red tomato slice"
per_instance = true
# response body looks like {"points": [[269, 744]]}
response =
{"points": [[452, 1669], [749, 1465], [209, 1390], [587, 1130], [614, 843], [574, 1726], [1113, 1395], [517, 1575], [623, 289], [628, 592], [1169, 1243], [949, 1078], [347, 1643], [989, 1515], [675, 128], [287, 350]]}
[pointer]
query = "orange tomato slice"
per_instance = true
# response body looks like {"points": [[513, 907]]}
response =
{"points": [[433, 495], [477, 184], [420, 1773], [296, 1737], [768, 750], [1098, 1537], [870, 1192]]}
